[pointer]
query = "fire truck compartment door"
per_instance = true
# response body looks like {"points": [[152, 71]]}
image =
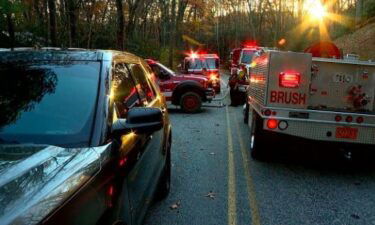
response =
{"points": [[288, 62], [342, 85]]}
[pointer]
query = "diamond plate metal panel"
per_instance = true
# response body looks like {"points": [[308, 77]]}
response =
{"points": [[258, 78]]}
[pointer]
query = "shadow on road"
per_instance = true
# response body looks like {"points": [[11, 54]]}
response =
{"points": [[323, 156]]}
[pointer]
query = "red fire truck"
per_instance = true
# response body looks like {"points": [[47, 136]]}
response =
{"points": [[241, 59], [315, 98], [203, 64], [185, 90]]}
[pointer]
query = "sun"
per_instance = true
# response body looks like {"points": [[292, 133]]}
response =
{"points": [[316, 10]]}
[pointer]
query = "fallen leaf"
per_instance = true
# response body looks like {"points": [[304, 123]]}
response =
{"points": [[175, 205], [355, 216], [210, 195]]}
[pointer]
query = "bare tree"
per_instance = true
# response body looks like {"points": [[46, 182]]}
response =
{"points": [[120, 25]]}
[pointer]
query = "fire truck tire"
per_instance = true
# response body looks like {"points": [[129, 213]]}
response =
{"points": [[191, 102], [236, 97], [246, 114], [257, 143], [218, 89], [233, 97]]}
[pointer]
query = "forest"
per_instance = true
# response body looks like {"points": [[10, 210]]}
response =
{"points": [[167, 29]]}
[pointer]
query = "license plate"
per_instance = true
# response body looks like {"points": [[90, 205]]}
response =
{"points": [[346, 132]]}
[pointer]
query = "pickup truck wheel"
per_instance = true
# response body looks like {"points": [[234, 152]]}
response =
{"points": [[191, 102], [257, 144]]}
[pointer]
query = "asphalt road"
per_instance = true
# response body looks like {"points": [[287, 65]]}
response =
{"points": [[215, 181]]}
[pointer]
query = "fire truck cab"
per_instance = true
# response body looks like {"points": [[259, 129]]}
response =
{"points": [[241, 59], [314, 98], [185, 90], [203, 64]]}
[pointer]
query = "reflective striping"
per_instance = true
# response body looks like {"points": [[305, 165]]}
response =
{"points": [[232, 210], [255, 217]]}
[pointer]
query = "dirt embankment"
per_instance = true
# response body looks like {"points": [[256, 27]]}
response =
{"points": [[361, 42]]}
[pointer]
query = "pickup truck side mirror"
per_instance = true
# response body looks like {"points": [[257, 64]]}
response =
{"points": [[140, 120]]}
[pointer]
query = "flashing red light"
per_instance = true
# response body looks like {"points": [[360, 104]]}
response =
{"points": [[194, 55], [272, 124], [250, 44], [289, 79], [360, 119], [338, 118], [349, 119]]}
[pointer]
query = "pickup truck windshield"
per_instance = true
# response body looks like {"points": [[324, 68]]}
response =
{"points": [[200, 63], [247, 56], [47, 103]]}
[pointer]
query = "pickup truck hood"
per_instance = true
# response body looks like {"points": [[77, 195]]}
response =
{"points": [[35, 179]]}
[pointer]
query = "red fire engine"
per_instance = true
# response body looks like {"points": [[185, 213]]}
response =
{"points": [[185, 90], [203, 64], [240, 66]]}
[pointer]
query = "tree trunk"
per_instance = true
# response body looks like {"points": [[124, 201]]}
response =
{"points": [[71, 10], [120, 25], [358, 11], [52, 22], [172, 39], [10, 30]]}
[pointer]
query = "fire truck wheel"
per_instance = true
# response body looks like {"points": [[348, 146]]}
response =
{"points": [[191, 102], [246, 114], [257, 144], [234, 101], [218, 89]]}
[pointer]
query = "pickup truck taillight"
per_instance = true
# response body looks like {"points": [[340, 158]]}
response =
{"points": [[289, 79]]}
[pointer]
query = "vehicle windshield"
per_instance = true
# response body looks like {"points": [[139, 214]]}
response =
{"points": [[203, 63], [47, 103], [247, 56]]}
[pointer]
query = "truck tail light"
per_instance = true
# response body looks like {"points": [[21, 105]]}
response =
{"points": [[289, 79], [360, 119], [272, 124]]}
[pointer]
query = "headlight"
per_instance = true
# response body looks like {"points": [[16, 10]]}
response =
{"points": [[213, 77]]}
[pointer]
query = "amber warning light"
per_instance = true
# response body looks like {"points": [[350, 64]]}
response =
{"points": [[289, 79]]}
